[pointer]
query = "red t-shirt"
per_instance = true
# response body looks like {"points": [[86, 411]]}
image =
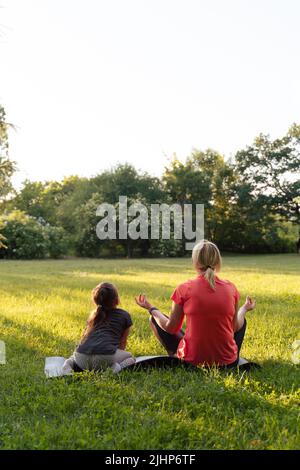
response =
{"points": [[209, 334]]}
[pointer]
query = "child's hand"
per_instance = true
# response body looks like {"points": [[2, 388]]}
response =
{"points": [[143, 302], [249, 304]]}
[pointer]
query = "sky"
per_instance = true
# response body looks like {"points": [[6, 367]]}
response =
{"points": [[93, 83]]}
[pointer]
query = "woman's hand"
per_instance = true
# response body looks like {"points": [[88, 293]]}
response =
{"points": [[239, 317], [143, 302], [249, 304]]}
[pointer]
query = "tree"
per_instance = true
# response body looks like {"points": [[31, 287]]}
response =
{"points": [[271, 169], [204, 178], [125, 180], [54, 201], [7, 167]]}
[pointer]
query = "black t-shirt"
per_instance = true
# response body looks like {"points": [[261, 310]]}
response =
{"points": [[105, 338]]}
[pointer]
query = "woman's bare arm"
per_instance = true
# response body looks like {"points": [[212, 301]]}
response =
{"points": [[170, 325]]}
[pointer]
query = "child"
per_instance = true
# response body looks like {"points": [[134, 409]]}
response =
{"points": [[104, 339]]}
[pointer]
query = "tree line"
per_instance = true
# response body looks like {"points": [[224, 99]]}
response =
{"points": [[252, 202]]}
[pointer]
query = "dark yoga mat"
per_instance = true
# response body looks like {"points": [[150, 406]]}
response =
{"points": [[147, 362]]}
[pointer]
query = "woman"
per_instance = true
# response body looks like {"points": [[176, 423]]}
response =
{"points": [[215, 326], [104, 339]]}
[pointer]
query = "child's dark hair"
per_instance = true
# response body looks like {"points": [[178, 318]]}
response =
{"points": [[106, 297]]}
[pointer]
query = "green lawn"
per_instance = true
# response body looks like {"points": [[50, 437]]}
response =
{"points": [[44, 305]]}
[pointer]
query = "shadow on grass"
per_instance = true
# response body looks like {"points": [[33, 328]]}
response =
{"points": [[48, 343], [280, 375], [122, 266]]}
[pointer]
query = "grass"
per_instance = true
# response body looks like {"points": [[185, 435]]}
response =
{"points": [[44, 305]]}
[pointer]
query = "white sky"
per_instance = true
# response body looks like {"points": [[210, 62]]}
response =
{"points": [[95, 82]]}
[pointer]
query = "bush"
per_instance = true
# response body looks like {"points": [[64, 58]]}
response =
{"points": [[166, 248], [57, 241], [26, 237]]}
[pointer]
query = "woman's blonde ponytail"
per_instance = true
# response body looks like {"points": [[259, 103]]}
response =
{"points": [[209, 275]]}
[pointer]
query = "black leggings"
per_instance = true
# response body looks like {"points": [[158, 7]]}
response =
{"points": [[171, 342]]}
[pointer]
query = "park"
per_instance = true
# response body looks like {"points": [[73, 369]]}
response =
{"points": [[44, 307]]}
